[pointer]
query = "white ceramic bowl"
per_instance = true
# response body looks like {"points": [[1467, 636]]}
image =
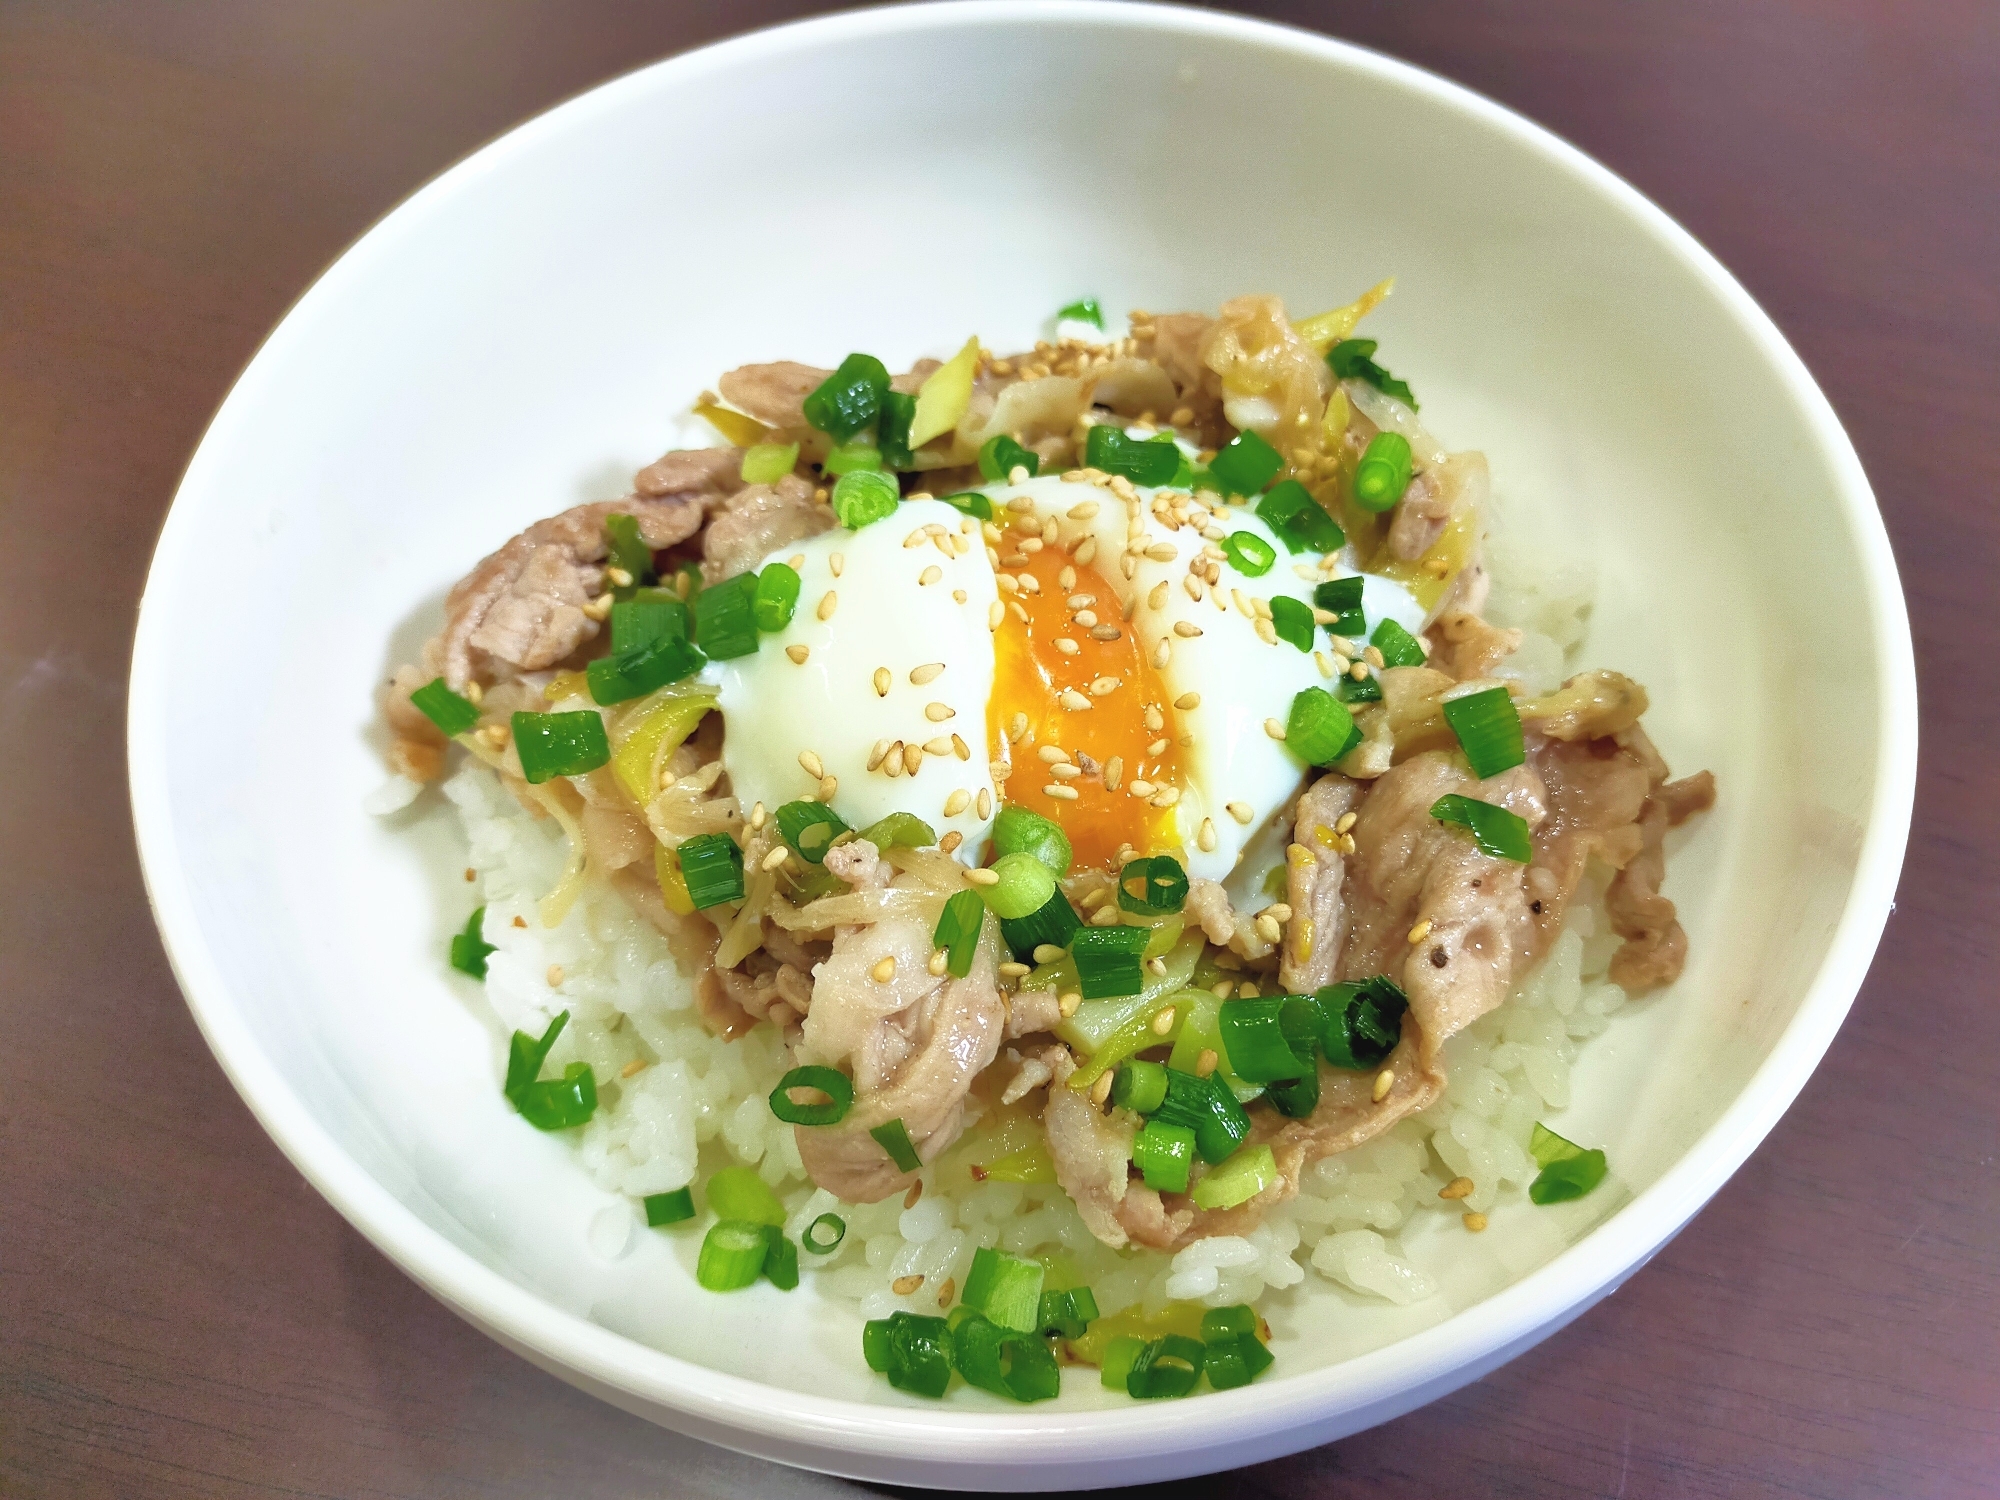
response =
{"points": [[532, 326]]}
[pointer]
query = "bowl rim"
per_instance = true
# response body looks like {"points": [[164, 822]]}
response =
{"points": [[936, 1439]]}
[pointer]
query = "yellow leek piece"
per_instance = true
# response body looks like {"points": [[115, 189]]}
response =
{"points": [[742, 431], [1029, 1164], [1183, 1318], [944, 397], [1329, 328], [660, 732], [673, 885]]}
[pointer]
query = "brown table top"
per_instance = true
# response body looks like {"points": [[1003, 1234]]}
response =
{"points": [[181, 1315]]}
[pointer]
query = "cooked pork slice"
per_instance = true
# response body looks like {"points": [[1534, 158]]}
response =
{"points": [[1655, 947], [1314, 885], [756, 521], [1420, 516], [706, 473], [1092, 1152], [1222, 924], [775, 393], [1466, 647]]}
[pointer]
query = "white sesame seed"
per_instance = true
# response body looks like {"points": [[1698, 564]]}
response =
{"points": [[929, 576], [1086, 551], [1103, 687], [1267, 632], [776, 857], [982, 877], [828, 603], [1157, 597], [957, 802], [836, 564], [1268, 929], [1155, 720], [883, 680], [939, 964], [939, 745], [1188, 701], [916, 538], [1419, 932], [1166, 796], [892, 764], [1017, 728], [1052, 753], [885, 970], [1242, 812], [827, 787], [1067, 646], [937, 713], [959, 748], [1274, 728], [959, 596], [995, 613], [811, 764], [1114, 768], [1030, 584], [798, 654], [1162, 653], [1060, 792], [1020, 504], [1187, 630], [913, 758], [1072, 700], [983, 804], [928, 672], [1384, 1081], [797, 562], [877, 755], [1062, 770]]}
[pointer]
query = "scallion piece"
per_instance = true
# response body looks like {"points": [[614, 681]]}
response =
{"points": [[1289, 509], [739, 1193], [1292, 619], [1245, 465], [1140, 460], [1007, 1363], [1303, 1021], [662, 1209], [725, 618], [912, 1350], [526, 1054], [776, 598], [1084, 311], [1342, 596], [971, 502], [1233, 1354], [1319, 729], [781, 1259], [1363, 1020], [1497, 832], [957, 931], [1488, 729], [628, 549], [1568, 1171], [644, 669], [1364, 689], [1000, 456], [1238, 1180], [1154, 887], [1228, 1322], [1249, 553], [1019, 831], [810, 828], [1025, 885], [899, 830], [1110, 960], [649, 615], [1054, 922], [1139, 1085], [732, 1255], [833, 1083], [712, 866], [1383, 473], [1166, 1367], [852, 458], [567, 744], [1398, 647], [559, 1103], [824, 1234], [1208, 1108], [1164, 1155], [470, 948], [850, 398], [444, 708], [1254, 1041], [1006, 1288], [865, 497], [892, 428], [1353, 359], [1067, 1314], [1114, 1367], [767, 463], [893, 1137]]}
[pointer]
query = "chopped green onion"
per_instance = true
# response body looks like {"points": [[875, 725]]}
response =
{"points": [[1025, 885], [628, 549], [810, 828], [1496, 831], [1352, 359], [850, 398], [469, 948], [1018, 831], [732, 1255], [1238, 1180], [725, 617], [833, 1083], [1085, 311], [526, 1054], [1363, 1020], [1140, 1085], [912, 1350], [1198, 1029], [1006, 1288], [1398, 647], [1292, 619], [569, 744], [1249, 553], [1383, 473], [1245, 465], [558, 1103], [1011, 1364], [1114, 1367], [1067, 1314], [1054, 923], [818, 1243], [1568, 1171], [1164, 1155], [1254, 1041], [668, 1208], [739, 1193], [1488, 729], [1000, 456], [894, 1137], [1228, 1323], [712, 866], [1207, 1107], [1110, 960], [781, 1259], [1165, 1368], [776, 598], [649, 615], [1342, 596], [444, 708], [971, 502], [767, 463], [1234, 1361], [899, 830], [1365, 689], [1319, 729], [644, 669], [892, 428], [957, 931], [1140, 460], [865, 497], [1153, 887], [1303, 1020], [853, 458], [1289, 509]]}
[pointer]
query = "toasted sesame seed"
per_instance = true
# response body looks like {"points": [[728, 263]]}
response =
{"points": [[913, 758], [1155, 720], [828, 786], [937, 745], [1014, 608], [1067, 646], [1114, 768], [1013, 971], [1085, 510], [828, 603], [758, 817], [928, 672], [1072, 700], [1242, 812], [1347, 821], [798, 654], [1359, 672], [929, 576], [995, 613], [1163, 1022], [1104, 632], [884, 970], [1103, 687], [1267, 632], [1101, 1090], [1384, 1081], [1187, 702], [811, 764], [1458, 1187], [1268, 928], [959, 596], [633, 1068], [892, 763], [1086, 551], [1060, 792], [940, 960], [1048, 953], [902, 1286], [1205, 1064], [1187, 630], [1246, 991], [1062, 770], [1419, 932], [554, 976], [1373, 656], [959, 748], [950, 842], [957, 802], [1162, 552], [937, 713], [983, 803], [1476, 1222], [618, 577], [1274, 728], [883, 680], [982, 877], [600, 607], [776, 857], [1067, 1003], [1207, 838]]}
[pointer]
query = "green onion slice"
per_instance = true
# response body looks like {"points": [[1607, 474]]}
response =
{"points": [[1353, 359], [852, 458], [1249, 553], [469, 948], [628, 549], [644, 669], [781, 1259], [1398, 647], [971, 502], [892, 429], [912, 1350], [559, 1103], [1208, 1108], [1568, 1171], [1496, 831], [1006, 1288], [1292, 619], [1342, 596], [1365, 689], [899, 830], [850, 398], [1238, 1180], [810, 828], [732, 1255], [1141, 460], [1054, 922], [739, 1193], [1255, 1042], [1019, 831], [893, 1137], [1164, 1155], [1067, 1314], [1245, 465], [767, 463], [1084, 311], [1289, 509], [567, 744], [668, 1208], [712, 866], [1115, 1363], [776, 597], [1488, 729], [1363, 1020], [1384, 471], [725, 618], [824, 1234], [865, 497], [1140, 1085], [1234, 1360], [1166, 1367], [444, 708], [957, 931], [526, 1054], [1319, 729], [1019, 1366], [649, 615], [1228, 1323], [1000, 456], [1153, 887], [1024, 887], [833, 1083], [1110, 960]]}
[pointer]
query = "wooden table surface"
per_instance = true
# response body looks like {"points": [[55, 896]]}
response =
{"points": [[181, 1315]]}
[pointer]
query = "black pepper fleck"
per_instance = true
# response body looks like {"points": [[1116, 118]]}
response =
{"points": [[1535, 907], [1439, 958]]}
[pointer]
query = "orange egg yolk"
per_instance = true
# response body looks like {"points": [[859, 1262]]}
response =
{"points": [[1048, 662]]}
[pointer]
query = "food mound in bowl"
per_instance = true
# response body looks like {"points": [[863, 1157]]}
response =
{"points": [[1045, 842]]}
